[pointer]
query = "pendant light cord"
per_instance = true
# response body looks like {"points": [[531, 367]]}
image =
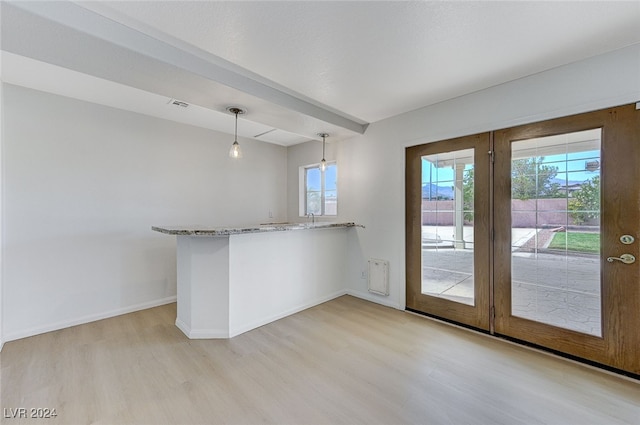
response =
{"points": [[236, 133]]}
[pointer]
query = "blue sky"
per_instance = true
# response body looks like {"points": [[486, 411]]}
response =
{"points": [[571, 167], [331, 174]]}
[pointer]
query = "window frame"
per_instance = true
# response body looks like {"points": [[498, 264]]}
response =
{"points": [[303, 192]]}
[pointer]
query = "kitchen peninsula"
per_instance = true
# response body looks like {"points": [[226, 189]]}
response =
{"points": [[234, 279]]}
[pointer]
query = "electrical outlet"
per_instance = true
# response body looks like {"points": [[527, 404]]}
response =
{"points": [[363, 274], [270, 214]]}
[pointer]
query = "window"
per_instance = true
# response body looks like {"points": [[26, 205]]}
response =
{"points": [[319, 190]]}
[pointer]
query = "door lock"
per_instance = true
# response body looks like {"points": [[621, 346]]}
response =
{"points": [[627, 239], [625, 258]]}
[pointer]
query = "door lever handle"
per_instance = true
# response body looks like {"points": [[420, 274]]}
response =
{"points": [[625, 258]]}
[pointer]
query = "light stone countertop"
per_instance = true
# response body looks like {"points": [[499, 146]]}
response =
{"points": [[200, 230]]}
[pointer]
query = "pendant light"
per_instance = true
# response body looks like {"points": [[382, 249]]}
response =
{"points": [[235, 151], [323, 163]]}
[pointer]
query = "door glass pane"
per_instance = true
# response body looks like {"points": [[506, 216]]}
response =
{"points": [[555, 235], [447, 226]]}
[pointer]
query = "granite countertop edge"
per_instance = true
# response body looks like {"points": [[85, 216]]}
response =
{"points": [[259, 228]]}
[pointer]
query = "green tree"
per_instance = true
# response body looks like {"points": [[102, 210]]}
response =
{"points": [[467, 194], [585, 203], [527, 175], [531, 179]]}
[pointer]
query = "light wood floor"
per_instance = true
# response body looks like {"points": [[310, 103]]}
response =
{"points": [[346, 361]]}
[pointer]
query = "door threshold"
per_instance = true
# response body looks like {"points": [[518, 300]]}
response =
{"points": [[628, 376]]}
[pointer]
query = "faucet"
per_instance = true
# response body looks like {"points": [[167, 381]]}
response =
{"points": [[312, 217]]}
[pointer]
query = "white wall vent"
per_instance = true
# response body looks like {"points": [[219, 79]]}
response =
{"points": [[379, 276]]}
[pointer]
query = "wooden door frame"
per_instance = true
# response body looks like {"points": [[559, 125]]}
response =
{"points": [[618, 346], [476, 316]]}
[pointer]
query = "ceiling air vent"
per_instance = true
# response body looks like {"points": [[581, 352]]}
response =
{"points": [[179, 103]]}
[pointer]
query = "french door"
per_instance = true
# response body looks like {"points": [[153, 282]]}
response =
{"points": [[532, 233], [448, 220]]}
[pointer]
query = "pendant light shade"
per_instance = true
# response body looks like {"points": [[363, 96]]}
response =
{"points": [[323, 162], [235, 152]]}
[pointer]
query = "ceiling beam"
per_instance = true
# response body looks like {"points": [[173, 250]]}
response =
{"points": [[184, 57]]}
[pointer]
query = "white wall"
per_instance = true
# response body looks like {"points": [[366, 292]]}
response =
{"points": [[371, 182], [82, 186], [1, 197], [291, 271]]}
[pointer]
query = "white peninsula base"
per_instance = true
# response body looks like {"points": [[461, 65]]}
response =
{"points": [[230, 284]]}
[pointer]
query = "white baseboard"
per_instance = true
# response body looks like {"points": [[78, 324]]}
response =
{"points": [[237, 330], [249, 326], [378, 299], [191, 333], [183, 327], [87, 319], [201, 333]]}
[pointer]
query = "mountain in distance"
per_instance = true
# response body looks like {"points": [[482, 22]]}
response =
{"points": [[446, 192], [437, 192], [564, 183]]}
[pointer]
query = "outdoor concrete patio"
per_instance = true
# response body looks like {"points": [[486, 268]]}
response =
{"points": [[553, 287]]}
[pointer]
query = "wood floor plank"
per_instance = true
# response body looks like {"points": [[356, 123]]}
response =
{"points": [[345, 361]]}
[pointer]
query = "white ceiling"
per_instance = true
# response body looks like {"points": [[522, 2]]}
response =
{"points": [[299, 67]]}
